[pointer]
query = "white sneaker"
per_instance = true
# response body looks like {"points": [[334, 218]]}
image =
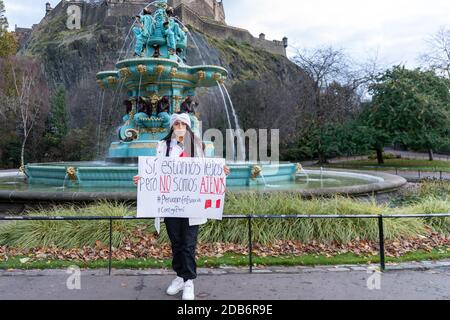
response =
{"points": [[176, 286], [188, 291]]}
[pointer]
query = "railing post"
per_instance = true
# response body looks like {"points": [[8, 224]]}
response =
{"points": [[110, 246], [381, 238], [250, 244], [440, 175]]}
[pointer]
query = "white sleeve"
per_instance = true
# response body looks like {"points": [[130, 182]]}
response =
{"points": [[158, 225], [200, 152], [162, 148], [160, 152]]}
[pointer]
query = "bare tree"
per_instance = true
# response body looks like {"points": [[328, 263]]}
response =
{"points": [[338, 86], [438, 57], [325, 66], [24, 94], [363, 73]]}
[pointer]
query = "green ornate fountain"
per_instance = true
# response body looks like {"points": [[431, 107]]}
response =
{"points": [[157, 72]]}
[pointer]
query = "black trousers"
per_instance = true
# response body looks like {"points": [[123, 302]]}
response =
{"points": [[184, 244]]}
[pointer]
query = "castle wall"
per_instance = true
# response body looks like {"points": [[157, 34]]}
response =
{"points": [[91, 13], [189, 17], [128, 8], [219, 12], [22, 35], [105, 12], [211, 9]]}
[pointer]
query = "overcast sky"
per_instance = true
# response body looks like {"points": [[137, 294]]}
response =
{"points": [[396, 29]]}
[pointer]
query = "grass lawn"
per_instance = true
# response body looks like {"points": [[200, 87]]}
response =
{"points": [[403, 164], [234, 260]]}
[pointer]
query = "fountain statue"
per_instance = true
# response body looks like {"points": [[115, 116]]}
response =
{"points": [[159, 83]]}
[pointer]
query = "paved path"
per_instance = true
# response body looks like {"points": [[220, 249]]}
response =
{"points": [[328, 283], [418, 155], [404, 154], [412, 175]]}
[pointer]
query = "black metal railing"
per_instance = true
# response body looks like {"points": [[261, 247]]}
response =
{"points": [[249, 218]]}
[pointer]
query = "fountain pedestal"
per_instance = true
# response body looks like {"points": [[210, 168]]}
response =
{"points": [[120, 151]]}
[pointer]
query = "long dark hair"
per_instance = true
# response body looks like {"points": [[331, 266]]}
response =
{"points": [[190, 139]]}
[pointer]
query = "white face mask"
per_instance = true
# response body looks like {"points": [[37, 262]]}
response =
{"points": [[180, 133]]}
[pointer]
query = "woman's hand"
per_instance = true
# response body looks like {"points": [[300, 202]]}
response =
{"points": [[227, 170], [136, 180]]}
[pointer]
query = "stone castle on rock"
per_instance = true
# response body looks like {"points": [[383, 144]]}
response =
{"points": [[207, 16]]}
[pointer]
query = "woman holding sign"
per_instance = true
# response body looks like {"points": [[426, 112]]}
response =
{"points": [[183, 233]]}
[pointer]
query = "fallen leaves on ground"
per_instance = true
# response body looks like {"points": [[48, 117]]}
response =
{"points": [[140, 245]]}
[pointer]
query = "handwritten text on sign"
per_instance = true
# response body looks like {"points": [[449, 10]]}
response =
{"points": [[181, 187]]}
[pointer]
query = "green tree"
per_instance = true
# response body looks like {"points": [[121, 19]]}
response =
{"points": [[58, 118], [78, 145], [8, 42], [411, 107], [372, 135], [3, 20], [354, 137]]}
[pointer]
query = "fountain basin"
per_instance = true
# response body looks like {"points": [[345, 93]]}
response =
{"points": [[120, 173], [250, 175], [100, 181], [16, 193]]}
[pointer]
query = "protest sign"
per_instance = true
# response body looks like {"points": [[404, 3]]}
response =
{"points": [[181, 187]]}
